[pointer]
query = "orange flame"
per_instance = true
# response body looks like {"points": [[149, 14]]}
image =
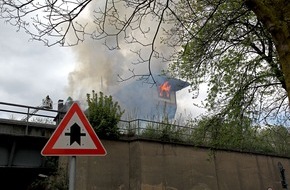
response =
{"points": [[164, 89]]}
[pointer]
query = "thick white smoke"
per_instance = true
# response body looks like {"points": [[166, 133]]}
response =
{"points": [[97, 68]]}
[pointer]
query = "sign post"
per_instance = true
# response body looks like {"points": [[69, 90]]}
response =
{"points": [[74, 136], [72, 172]]}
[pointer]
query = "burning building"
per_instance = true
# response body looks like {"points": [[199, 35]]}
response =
{"points": [[144, 101], [166, 98]]}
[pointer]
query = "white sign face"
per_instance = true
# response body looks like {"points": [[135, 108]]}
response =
{"points": [[74, 136]]}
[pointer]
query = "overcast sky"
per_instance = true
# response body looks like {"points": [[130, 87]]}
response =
{"points": [[30, 71]]}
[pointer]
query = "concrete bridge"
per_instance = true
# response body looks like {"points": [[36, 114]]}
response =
{"points": [[21, 141]]}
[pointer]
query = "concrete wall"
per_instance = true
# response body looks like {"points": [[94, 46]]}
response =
{"points": [[148, 165], [23, 128]]}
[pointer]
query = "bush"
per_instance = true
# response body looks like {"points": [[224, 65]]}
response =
{"points": [[104, 114], [163, 131]]}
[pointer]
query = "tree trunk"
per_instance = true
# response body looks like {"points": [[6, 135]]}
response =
{"points": [[275, 15]]}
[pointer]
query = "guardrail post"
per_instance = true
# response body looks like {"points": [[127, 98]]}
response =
{"points": [[138, 125], [26, 129]]}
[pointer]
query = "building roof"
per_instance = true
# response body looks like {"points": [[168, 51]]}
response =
{"points": [[176, 84]]}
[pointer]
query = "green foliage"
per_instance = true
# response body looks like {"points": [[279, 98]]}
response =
{"points": [[56, 181], [216, 132], [231, 51], [104, 114], [276, 139], [164, 131]]}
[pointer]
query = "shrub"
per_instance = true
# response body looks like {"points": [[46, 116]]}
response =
{"points": [[104, 114]]}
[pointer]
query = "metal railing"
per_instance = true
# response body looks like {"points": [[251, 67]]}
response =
{"points": [[26, 113], [143, 127], [163, 131]]}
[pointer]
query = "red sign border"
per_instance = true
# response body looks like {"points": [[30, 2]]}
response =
{"points": [[48, 149]]}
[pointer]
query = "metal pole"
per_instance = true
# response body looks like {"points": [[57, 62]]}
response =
{"points": [[72, 173], [138, 123]]}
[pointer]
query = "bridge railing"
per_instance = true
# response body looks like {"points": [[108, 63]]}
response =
{"points": [[27, 113]]}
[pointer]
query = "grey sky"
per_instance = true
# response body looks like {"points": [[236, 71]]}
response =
{"points": [[29, 70]]}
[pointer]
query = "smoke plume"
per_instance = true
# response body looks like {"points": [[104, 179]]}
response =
{"points": [[97, 68]]}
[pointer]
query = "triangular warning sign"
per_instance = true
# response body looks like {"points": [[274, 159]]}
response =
{"points": [[74, 136]]}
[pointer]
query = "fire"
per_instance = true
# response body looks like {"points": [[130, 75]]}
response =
{"points": [[164, 90]]}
